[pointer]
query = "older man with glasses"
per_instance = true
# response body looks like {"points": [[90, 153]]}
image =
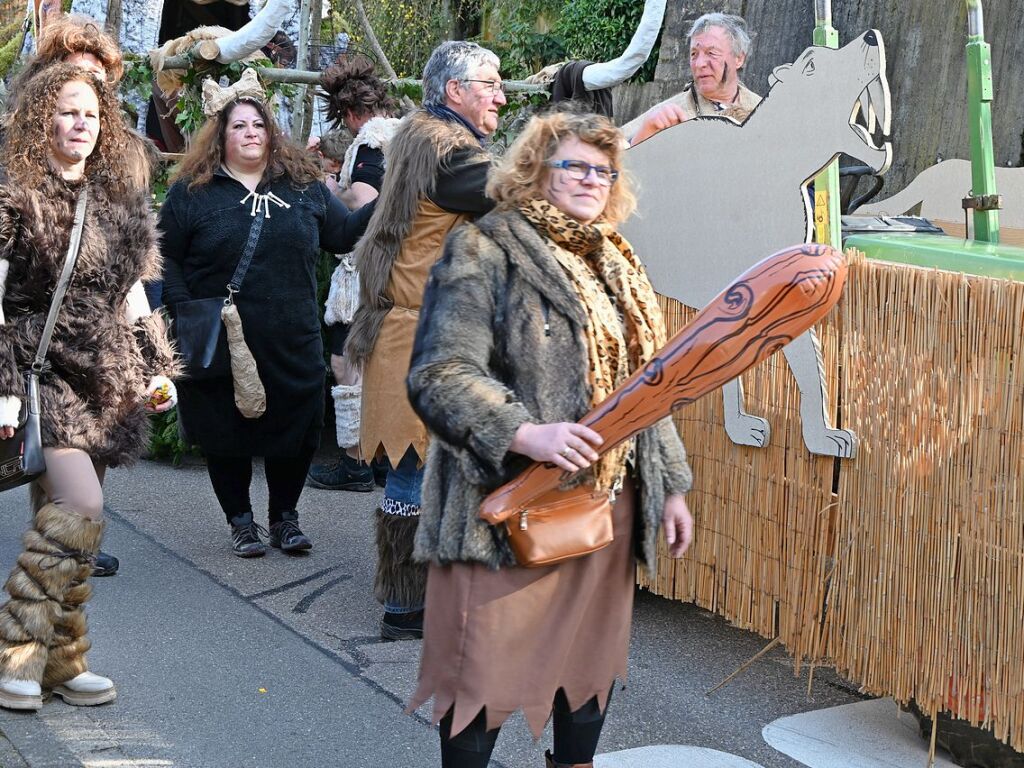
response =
{"points": [[437, 167]]}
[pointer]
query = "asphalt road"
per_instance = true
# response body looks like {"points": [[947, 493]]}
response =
{"points": [[224, 662]]}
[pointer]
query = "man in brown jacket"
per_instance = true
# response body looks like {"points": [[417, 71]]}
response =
{"points": [[435, 178]]}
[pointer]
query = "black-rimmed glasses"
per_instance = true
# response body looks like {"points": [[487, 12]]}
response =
{"points": [[579, 170], [493, 86]]}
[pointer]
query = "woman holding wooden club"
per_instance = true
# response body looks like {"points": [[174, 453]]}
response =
{"points": [[535, 313]]}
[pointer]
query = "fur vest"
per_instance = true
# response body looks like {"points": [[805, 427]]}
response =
{"points": [[99, 361], [376, 133], [415, 156], [501, 342]]}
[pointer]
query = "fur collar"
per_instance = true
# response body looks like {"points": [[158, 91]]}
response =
{"points": [[415, 156], [375, 133], [532, 255]]}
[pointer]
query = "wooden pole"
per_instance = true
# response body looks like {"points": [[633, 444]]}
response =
{"points": [[112, 26], [307, 77]]}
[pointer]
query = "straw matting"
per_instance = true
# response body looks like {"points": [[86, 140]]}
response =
{"points": [[919, 558]]}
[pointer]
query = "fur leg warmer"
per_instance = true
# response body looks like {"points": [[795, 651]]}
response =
{"points": [[347, 403], [57, 548], [69, 643], [400, 580]]}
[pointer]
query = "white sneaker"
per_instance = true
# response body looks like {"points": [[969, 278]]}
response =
{"points": [[87, 690], [20, 694]]}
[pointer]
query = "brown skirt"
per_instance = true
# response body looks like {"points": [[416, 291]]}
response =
{"points": [[509, 639]]}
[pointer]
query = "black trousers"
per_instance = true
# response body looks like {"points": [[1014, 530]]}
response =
{"points": [[576, 736], [231, 477]]}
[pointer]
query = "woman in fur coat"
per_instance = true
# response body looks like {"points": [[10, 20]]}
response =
{"points": [[535, 313], [106, 362]]}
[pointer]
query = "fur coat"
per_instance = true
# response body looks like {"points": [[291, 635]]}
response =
{"points": [[99, 362], [416, 155], [501, 342], [376, 133], [403, 240]]}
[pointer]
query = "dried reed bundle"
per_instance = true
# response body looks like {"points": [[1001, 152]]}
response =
{"points": [[909, 580]]}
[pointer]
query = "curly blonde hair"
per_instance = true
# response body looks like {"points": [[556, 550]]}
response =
{"points": [[206, 153], [66, 35], [520, 175], [27, 148]]}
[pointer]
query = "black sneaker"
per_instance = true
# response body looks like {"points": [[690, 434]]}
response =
{"points": [[288, 537], [402, 626], [104, 564], [245, 537], [347, 474]]}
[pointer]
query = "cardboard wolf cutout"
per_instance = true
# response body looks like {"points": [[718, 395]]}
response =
{"points": [[713, 186]]}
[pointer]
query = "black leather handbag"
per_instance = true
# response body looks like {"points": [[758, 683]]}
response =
{"points": [[201, 338], [21, 456]]}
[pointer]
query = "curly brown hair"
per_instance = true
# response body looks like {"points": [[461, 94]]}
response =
{"points": [[66, 35], [26, 147], [206, 153], [520, 175], [350, 83]]}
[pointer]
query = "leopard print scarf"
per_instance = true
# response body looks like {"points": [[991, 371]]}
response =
{"points": [[624, 323]]}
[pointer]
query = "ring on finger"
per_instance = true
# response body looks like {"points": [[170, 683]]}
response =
{"points": [[564, 453]]}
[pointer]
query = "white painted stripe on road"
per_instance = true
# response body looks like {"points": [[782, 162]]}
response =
{"points": [[868, 734], [670, 756]]}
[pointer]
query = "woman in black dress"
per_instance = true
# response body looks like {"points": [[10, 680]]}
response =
{"points": [[241, 169]]}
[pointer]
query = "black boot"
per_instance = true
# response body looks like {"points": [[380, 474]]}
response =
{"points": [[347, 475], [286, 534], [402, 626], [380, 471], [105, 565], [245, 536]]}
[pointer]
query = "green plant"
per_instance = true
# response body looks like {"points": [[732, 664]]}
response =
{"points": [[138, 77], [600, 30], [165, 443], [13, 37], [522, 35], [190, 115]]}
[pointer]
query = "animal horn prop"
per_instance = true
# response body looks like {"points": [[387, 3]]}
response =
{"points": [[607, 74], [768, 306]]}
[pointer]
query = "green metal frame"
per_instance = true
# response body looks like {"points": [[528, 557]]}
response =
{"points": [[979, 101], [827, 220]]}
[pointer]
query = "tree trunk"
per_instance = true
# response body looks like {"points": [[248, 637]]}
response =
{"points": [[112, 26]]}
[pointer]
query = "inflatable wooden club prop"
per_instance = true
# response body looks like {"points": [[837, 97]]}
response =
{"points": [[768, 306]]}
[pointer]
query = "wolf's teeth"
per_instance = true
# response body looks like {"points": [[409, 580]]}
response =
{"points": [[867, 111], [878, 92]]}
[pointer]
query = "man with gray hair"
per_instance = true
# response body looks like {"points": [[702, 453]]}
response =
{"points": [[436, 172], [719, 46]]}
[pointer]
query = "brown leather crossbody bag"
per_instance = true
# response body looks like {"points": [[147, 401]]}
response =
{"points": [[561, 525]]}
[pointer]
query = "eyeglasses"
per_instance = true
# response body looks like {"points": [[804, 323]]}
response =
{"points": [[579, 170], [493, 86]]}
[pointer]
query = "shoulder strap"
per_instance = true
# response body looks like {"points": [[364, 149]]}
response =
{"points": [[65, 280], [250, 248]]}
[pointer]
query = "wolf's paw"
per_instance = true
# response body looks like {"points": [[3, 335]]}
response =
{"points": [[823, 441], [744, 429]]}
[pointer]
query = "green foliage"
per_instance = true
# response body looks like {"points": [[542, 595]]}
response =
{"points": [[600, 30], [165, 441], [190, 115], [520, 33], [408, 30], [14, 37], [138, 77]]}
